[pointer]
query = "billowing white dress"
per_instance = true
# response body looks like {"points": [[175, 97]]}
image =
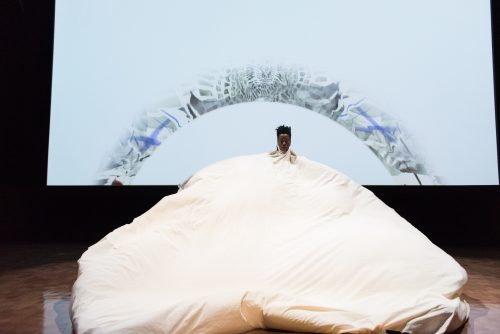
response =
{"points": [[268, 241]]}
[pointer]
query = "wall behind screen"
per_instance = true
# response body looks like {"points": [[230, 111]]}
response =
{"points": [[453, 215]]}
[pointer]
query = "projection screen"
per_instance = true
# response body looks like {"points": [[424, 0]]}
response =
{"points": [[388, 92]]}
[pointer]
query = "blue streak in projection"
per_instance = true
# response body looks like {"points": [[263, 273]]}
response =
{"points": [[349, 106], [175, 119], [387, 131], [151, 140]]}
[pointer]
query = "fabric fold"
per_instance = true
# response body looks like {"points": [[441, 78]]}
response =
{"points": [[268, 241]]}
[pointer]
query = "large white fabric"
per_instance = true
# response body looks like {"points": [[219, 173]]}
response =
{"points": [[268, 241]]}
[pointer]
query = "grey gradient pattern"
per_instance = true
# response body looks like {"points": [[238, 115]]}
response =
{"points": [[270, 83]]}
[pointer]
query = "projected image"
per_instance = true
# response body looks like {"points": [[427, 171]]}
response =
{"points": [[272, 83], [150, 93]]}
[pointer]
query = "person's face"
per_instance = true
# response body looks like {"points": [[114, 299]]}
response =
{"points": [[284, 142]]}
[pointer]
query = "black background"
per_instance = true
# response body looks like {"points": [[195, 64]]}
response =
{"points": [[32, 212]]}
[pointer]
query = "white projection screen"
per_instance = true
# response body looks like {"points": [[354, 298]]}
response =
{"points": [[388, 92]]}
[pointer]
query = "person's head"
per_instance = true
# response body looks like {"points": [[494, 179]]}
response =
{"points": [[284, 137]]}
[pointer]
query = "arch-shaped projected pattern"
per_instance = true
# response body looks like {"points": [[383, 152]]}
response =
{"points": [[270, 83]]}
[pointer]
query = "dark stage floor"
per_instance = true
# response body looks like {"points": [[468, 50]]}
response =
{"points": [[36, 280]]}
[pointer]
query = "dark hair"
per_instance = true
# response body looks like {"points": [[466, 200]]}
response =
{"points": [[283, 130]]}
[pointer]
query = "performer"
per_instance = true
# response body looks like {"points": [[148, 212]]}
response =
{"points": [[283, 142], [284, 138]]}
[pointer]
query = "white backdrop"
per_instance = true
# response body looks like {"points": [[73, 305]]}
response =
{"points": [[426, 63]]}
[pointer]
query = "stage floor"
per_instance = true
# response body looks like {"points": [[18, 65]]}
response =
{"points": [[36, 280]]}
